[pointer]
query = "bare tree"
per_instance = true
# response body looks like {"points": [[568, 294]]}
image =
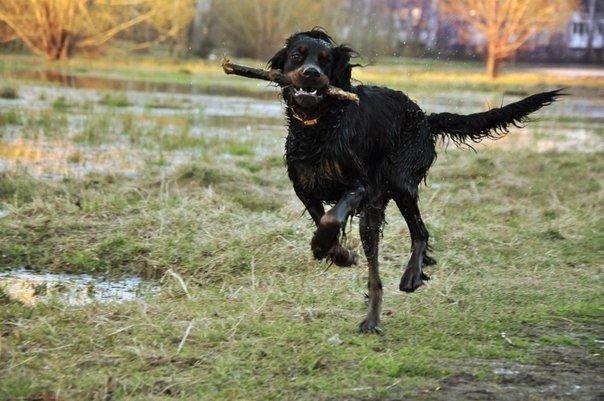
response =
{"points": [[256, 28], [369, 26], [56, 28], [506, 25], [199, 33]]}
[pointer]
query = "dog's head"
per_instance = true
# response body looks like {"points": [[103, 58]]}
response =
{"points": [[312, 61]]}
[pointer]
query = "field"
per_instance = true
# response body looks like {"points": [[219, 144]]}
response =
{"points": [[171, 172]]}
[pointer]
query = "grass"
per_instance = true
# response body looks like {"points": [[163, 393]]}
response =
{"points": [[515, 257], [517, 235], [115, 100], [61, 104], [10, 117]]}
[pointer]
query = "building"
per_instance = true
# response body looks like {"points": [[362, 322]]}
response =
{"points": [[585, 32], [419, 25]]}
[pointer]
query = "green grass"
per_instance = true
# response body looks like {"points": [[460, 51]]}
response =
{"points": [[61, 104], [558, 340], [10, 117], [517, 237], [115, 100], [517, 234]]}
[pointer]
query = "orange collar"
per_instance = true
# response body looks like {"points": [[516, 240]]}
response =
{"points": [[306, 123]]}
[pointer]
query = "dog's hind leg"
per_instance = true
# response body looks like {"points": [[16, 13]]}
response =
{"points": [[413, 277], [325, 240], [370, 223]]}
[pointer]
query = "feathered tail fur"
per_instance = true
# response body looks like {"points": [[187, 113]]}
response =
{"points": [[491, 124]]}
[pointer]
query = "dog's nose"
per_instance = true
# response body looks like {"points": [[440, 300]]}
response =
{"points": [[311, 72]]}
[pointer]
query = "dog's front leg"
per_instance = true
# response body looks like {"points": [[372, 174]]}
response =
{"points": [[325, 240], [314, 207]]}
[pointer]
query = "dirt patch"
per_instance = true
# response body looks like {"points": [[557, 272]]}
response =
{"points": [[559, 373]]}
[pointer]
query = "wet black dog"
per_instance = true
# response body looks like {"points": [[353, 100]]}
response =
{"points": [[358, 157]]}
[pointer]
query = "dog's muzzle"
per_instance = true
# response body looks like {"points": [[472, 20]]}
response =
{"points": [[307, 99], [308, 83]]}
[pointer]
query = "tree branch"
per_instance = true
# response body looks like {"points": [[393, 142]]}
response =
{"points": [[279, 78], [103, 37]]}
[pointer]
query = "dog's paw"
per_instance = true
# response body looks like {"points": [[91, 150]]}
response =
{"points": [[343, 257], [412, 279], [325, 237], [428, 260], [318, 253], [369, 327]]}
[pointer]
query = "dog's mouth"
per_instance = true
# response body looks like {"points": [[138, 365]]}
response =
{"points": [[307, 92], [307, 97]]}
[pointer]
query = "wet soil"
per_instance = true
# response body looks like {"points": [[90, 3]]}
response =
{"points": [[559, 373], [555, 372]]}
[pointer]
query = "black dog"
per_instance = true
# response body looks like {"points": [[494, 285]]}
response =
{"points": [[358, 157]]}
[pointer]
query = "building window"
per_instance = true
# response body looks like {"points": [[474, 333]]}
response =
{"points": [[579, 28]]}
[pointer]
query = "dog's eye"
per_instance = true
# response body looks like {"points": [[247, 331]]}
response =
{"points": [[325, 60], [296, 57], [324, 57]]}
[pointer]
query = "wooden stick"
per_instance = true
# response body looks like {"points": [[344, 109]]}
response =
{"points": [[279, 78]]}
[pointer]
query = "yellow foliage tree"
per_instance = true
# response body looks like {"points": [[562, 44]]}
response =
{"points": [[172, 18], [57, 28], [508, 24]]}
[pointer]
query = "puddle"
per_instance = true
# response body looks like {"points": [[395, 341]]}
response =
{"points": [[94, 137], [506, 372], [560, 140], [114, 84], [570, 107], [128, 140], [31, 288]]}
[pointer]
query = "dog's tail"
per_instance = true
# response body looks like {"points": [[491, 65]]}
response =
{"points": [[491, 124]]}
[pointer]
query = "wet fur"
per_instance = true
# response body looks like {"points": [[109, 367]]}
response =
{"points": [[358, 157]]}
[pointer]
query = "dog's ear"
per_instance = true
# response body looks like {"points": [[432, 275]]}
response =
{"points": [[277, 62], [342, 69]]}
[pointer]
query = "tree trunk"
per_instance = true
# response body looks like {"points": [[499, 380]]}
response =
{"points": [[493, 63], [591, 31], [59, 48], [199, 27]]}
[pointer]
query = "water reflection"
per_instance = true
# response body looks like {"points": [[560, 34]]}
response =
{"points": [[54, 159], [31, 288], [114, 84]]}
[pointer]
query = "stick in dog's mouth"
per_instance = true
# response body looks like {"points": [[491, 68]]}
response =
{"points": [[279, 78]]}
